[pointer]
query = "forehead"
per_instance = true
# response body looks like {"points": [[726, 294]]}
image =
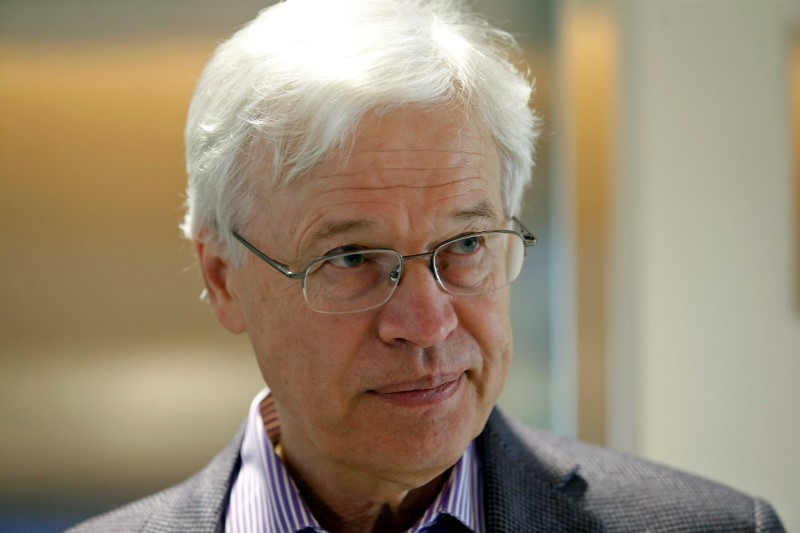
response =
{"points": [[405, 168], [407, 139]]}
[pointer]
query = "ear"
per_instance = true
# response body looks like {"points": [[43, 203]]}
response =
{"points": [[217, 274]]}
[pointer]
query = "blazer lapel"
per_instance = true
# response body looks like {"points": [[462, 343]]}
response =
{"points": [[200, 504], [525, 490]]}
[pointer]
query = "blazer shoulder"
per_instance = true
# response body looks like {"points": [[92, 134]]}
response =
{"points": [[628, 493], [199, 503], [130, 517]]}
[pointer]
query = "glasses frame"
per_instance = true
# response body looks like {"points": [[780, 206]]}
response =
{"points": [[528, 240]]}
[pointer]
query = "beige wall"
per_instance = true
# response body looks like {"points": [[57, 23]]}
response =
{"points": [[690, 227], [706, 327]]}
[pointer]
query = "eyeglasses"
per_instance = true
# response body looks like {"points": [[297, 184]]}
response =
{"points": [[361, 279]]}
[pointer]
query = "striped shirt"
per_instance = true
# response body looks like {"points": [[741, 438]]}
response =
{"points": [[264, 499]]}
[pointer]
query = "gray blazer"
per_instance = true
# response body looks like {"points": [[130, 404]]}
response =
{"points": [[533, 481]]}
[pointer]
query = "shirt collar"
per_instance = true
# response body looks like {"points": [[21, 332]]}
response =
{"points": [[264, 498]]}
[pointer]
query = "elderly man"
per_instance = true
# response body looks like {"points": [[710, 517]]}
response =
{"points": [[355, 172]]}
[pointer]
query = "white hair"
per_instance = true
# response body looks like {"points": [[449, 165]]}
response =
{"points": [[290, 88]]}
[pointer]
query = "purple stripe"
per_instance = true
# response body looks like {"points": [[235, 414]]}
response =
{"points": [[285, 494], [278, 486]]}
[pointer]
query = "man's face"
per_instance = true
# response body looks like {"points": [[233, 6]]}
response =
{"points": [[398, 391]]}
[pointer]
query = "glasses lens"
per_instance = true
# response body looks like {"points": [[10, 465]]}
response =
{"points": [[351, 281], [480, 263]]}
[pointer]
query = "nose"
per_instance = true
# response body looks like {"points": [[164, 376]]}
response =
{"points": [[419, 312]]}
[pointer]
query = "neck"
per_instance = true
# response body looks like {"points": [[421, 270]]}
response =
{"points": [[353, 503], [397, 512]]}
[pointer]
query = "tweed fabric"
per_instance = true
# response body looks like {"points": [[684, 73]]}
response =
{"points": [[542, 482], [533, 482]]}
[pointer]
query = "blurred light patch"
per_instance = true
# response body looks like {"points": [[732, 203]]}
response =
{"points": [[147, 415]]}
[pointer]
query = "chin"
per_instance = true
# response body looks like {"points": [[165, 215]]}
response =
{"points": [[437, 448]]}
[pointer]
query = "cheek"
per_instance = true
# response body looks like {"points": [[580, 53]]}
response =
{"points": [[303, 355], [311, 368], [274, 311], [486, 319]]}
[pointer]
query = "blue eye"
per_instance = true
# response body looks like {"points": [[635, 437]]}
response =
{"points": [[347, 261], [466, 245]]}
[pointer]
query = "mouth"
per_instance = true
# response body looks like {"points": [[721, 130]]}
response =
{"points": [[420, 392]]}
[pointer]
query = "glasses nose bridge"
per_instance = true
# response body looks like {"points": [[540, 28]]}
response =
{"points": [[416, 257], [423, 255]]}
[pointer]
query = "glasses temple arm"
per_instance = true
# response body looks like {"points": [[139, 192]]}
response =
{"points": [[527, 236], [280, 267]]}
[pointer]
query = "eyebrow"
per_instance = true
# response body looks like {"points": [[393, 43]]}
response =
{"points": [[481, 210], [337, 228]]}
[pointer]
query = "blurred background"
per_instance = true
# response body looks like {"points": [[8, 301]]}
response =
{"points": [[658, 314]]}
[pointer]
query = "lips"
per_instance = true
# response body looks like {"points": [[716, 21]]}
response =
{"points": [[425, 391]]}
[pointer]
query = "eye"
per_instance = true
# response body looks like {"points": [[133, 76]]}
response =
{"points": [[347, 261], [464, 246], [349, 256]]}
